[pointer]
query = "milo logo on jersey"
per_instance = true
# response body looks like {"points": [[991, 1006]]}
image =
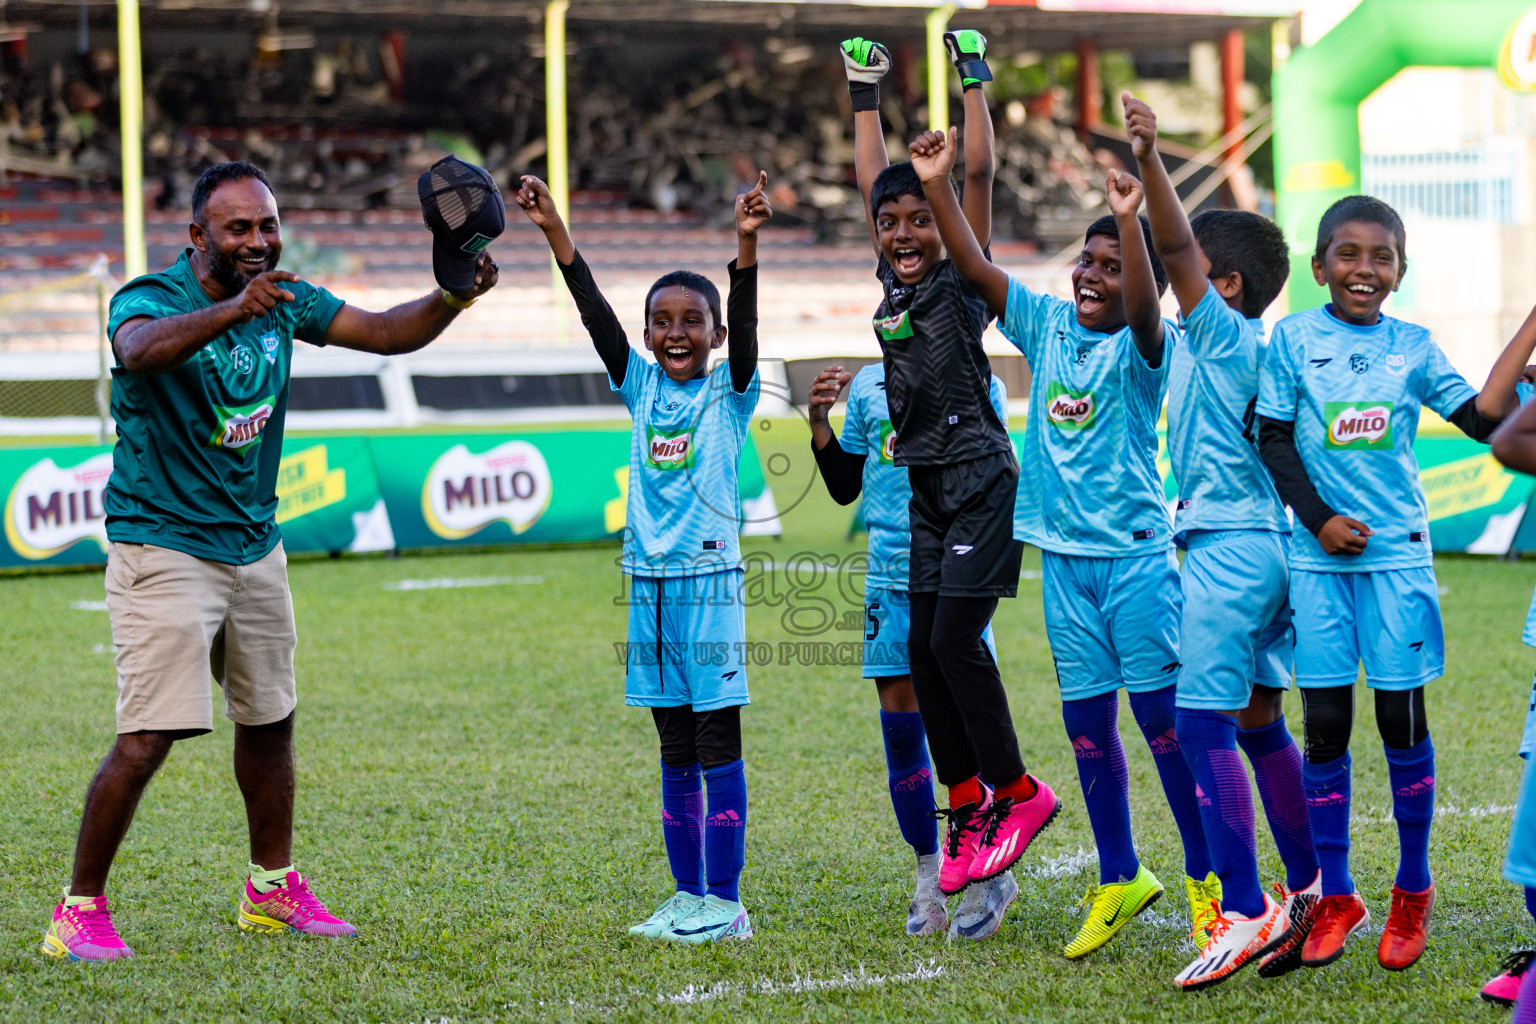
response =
{"points": [[1358, 426], [668, 451], [241, 429], [1070, 410], [893, 328], [887, 443]]}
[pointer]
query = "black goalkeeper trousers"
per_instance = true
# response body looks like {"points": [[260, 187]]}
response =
{"points": [[959, 690]]}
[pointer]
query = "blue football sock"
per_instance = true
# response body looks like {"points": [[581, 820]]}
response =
{"points": [[1225, 797], [1327, 788], [1277, 770], [1530, 901], [1092, 727], [682, 825], [1412, 772], [725, 830], [1154, 711], [910, 779]]}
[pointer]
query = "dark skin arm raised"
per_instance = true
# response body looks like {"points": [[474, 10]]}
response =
{"points": [[1171, 234], [933, 157], [1138, 288]]}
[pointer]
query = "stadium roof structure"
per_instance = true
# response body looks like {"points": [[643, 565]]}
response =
{"points": [[1049, 25]]}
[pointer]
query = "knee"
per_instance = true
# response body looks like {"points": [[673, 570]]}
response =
{"points": [[718, 740], [1329, 719], [1400, 717], [141, 753], [1264, 708]]}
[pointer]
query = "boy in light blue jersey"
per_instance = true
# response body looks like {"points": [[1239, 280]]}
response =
{"points": [[685, 659], [1339, 404], [1091, 499], [1235, 635], [1514, 444], [849, 470]]}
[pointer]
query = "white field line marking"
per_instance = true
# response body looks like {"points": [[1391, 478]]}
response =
{"points": [[1373, 815], [1064, 865], [104, 649], [88, 606], [797, 985], [451, 583]]}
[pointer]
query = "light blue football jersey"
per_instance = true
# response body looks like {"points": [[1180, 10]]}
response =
{"points": [[1088, 481], [684, 509], [1213, 384], [1354, 394], [867, 431]]}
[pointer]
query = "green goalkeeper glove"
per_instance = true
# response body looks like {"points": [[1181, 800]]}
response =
{"points": [[968, 49], [865, 62]]}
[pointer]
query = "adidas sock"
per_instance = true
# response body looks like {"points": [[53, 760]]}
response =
{"points": [[967, 792], [682, 825], [1092, 725], [1225, 797], [1525, 1003], [1277, 770], [1328, 797], [1155, 711], [1412, 772], [264, 881], [725, 829], [1530, 901], [910, 779]]}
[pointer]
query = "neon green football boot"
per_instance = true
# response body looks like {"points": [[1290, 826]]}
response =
{"points": [[1203, 897], [1110, 908]]}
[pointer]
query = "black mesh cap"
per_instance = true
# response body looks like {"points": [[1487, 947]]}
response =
{"points": [[464, 210]]}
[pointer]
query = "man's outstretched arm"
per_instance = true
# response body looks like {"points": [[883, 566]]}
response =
{"points": [[410, 325]]}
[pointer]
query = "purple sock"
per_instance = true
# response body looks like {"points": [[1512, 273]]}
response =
{"points": [[1209, 742], [682, 825], [1530, 901], [1277, 770], [1092, 725], [1327, 787], [1525, 1005], [725, 830], [1155, 711], [910, 779], [1412, 771]]}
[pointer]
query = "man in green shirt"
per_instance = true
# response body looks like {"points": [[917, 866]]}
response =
{"points": [[196, 574]]}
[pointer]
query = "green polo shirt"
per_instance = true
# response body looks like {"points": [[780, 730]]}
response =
{"points": [[195, 465]]}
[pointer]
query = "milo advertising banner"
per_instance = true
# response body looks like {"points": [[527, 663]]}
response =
{"points": [[536, 487]]}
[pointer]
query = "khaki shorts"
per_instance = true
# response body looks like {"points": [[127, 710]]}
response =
{"points": [[174, 617]]}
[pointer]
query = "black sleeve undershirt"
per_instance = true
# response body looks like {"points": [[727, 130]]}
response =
{"points": [[1474, 424], [598, 318], [741, 326], [1277, 447], [842, 471]]}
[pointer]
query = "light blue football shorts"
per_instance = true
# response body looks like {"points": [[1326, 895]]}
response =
{"points": [[1389, 619], [687, 642], [887, 620], [1520, 862], [1236, 629], [1112, 622]]}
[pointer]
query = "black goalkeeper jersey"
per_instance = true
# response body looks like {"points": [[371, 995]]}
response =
{"points": [[938, 382]]}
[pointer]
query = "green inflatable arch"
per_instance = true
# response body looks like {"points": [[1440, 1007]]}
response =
{"points": [[1317, 96]]}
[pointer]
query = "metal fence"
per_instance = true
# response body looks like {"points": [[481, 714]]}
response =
{"points": [[1479, 183]]}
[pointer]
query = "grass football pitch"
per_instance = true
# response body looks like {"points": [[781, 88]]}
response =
{"points": [[476, 798]]}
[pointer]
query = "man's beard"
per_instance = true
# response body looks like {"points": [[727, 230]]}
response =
{"points": [[224, 269]]}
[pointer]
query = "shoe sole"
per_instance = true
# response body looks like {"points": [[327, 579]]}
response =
{"points": [[1331, 957], [1049, 818], [1401, 967], [261, 925], [997, 925], [1157, 894], [1496, 1000]]}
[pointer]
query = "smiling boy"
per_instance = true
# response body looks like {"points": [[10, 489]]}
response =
{"points": [[962, 471], [1092, 501], [1338, 410]]}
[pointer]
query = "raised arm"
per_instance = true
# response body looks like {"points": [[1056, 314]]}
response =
{"points": [[1497, 399], [596, 315], [1514, 443], [933, 155], [866, 62], [1138, 286], [410, 325], [752, 212], [968, 51], [1171, 235]]}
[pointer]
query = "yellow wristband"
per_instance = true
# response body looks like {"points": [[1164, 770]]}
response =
{"points": [[454, 302]]}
